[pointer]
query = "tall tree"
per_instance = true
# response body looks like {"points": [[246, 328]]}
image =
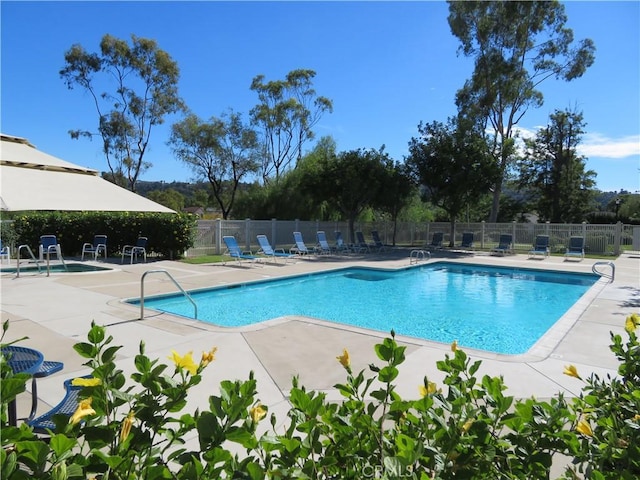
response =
{"points": [[452, 166], [516, 46], [287, 112], [221, 151], [397, 193], [552, 168], [145, 90]]}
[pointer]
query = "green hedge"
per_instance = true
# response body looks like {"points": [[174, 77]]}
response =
{"points": [[169, 234]]}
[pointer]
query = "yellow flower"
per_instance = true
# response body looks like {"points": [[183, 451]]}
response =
{"points": [[184, 362], [126, 427], [584, 428], [258, 413], [86, 382], [430, 389], [84, 409], [636, 417], [467, 425], [208, 357], [571, 370], [632, 322], [344, 359], [454, 345]]}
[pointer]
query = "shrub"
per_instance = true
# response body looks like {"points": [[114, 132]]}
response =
{"points": [[463, 428]]}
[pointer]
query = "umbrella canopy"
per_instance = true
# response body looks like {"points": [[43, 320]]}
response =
{"points": [[33, 180]]}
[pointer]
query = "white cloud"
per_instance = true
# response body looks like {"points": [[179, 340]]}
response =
{"points": [[597, 145]]}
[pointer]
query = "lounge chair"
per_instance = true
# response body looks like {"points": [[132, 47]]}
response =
{"points": [[436, 241], [361, 243], [575, 248], [234, 251], [540, 247], [299, 246], [133, 251], [377, 242], [340, 246], [49, 246], [505, 245], [467, 241], [323, 245], [267, 250], [98, 246]]}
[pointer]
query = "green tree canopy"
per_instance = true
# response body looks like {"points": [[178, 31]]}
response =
{"points": [[516, 46], [145, 90], [452, 166], [221, 151]]}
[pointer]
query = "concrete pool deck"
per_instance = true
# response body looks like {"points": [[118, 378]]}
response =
{"points": [[56, 312]]}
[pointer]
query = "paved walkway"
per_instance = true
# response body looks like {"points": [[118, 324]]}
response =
{"points": [[55, 312]]}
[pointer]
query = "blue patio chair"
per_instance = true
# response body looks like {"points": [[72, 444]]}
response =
{"points": [[467, 241], [269, 251], [377, 243], [436, 241], [340, 246], [98, 246], [505, 245], [540, 247], [575, 248], [299, 247], [361, 244], [133, 251], [234, 251], [5, 252], [49, 246], [323, 245]]}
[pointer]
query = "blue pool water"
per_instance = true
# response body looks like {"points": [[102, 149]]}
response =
{"points": [[501, 310]]}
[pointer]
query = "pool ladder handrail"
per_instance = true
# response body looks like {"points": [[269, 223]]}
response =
{"points": [[33, 259], [175, 282], [603, 274], [417, 255]]}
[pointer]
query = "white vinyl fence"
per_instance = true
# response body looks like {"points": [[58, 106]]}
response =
{"points": [[599, 239]]}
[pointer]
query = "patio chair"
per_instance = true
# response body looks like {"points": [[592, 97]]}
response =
{"points": [[467, 241], [267, 250], [323, 246], [98, 246], [436, 241], [340, 246], [377, 243], [299, 247], [132, 251], [5, 252], [234, 251], [505, 245], [575, 248], [361, 243], [540, 247], [49, 246]]}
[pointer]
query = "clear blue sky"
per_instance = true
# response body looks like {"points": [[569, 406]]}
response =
{"points": [[386, 66]]}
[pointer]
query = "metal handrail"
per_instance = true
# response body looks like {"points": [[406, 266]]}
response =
{"points": [[34, 259], [602, 274], [184, 292]]}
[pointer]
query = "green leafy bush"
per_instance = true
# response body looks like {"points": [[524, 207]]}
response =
{"points": [[135, 427]]}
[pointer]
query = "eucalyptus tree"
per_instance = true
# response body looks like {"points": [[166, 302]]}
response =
{"points": [[552, 168], [221, 151], [451, 165], [286, 114], [140, 83], [516, 46]]}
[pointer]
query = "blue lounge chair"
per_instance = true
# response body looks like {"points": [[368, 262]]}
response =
{"points": [[467, 241], [234, 251], [505, 245], [340, 246], [540, 247], [436, 241], [299, 247], [323, 245], [377, 243], [98, 246], [575, 248], [361, 244], [269, 251], [133, 251]]}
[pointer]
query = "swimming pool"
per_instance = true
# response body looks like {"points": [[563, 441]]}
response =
{"points": [[57, 268], [502, 310]]}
